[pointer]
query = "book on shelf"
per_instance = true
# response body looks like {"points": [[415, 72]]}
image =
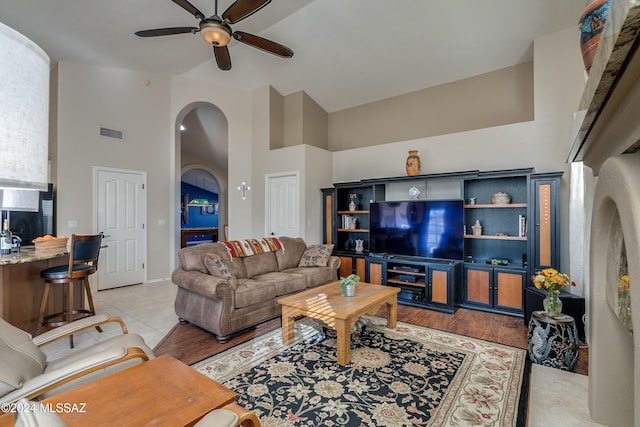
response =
{"points": [[522, 226], [349, 221]]}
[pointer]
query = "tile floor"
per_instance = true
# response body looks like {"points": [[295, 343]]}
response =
{"points": [[557, 399], [147, 310]]}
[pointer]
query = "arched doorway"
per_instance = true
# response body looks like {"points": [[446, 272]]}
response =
{"points": [[202, 157]]}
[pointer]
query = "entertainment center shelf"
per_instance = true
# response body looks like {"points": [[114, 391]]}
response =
{"points": [[400, 276], [482, 236], [523, 233], [496, 206], [400, 282]]}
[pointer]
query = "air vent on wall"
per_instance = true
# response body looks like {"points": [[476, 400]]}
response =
{"points": [[112, 133]]}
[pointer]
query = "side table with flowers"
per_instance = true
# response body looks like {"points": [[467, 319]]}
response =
{"points": [[551, 281]]}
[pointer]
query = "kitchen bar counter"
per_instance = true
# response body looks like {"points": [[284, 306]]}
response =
{"points": [[21, 286], [30, 254]]}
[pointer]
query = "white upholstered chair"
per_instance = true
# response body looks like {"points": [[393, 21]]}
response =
{"points": [[231, 415], [25, 371]]}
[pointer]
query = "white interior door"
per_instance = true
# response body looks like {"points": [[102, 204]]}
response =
{"points": [[120, 215], [283, 205]]}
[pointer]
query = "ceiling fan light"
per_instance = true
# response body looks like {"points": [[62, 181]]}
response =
{"points": [[215, 34]]}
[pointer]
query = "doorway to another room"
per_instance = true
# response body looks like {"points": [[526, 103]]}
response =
{"points": [[199, 208], [203, 160]]}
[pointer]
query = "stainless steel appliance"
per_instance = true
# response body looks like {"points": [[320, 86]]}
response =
{"points": [[29, 225]]}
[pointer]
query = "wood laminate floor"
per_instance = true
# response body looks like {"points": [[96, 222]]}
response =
{"points": [[190, 344]]}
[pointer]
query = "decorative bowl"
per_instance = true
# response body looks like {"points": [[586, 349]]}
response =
{"points": [[55, 243], [501, 198]]}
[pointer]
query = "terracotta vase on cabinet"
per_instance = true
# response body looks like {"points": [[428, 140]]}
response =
{"points": [[591, 25], [413, 163]]}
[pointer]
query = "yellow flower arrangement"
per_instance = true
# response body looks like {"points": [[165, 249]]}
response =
{"points": [[551, 280], [623, 283], [624, 302]]}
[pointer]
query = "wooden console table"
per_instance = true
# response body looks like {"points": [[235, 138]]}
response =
{"points": [[160, 392]]}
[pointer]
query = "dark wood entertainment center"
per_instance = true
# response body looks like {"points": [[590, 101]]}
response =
{"points": [[497, 264]]}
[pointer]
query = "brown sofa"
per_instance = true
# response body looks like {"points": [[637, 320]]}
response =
{"points": [[225, 294]]}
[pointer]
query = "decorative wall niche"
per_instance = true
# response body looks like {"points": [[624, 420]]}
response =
{"points": [[618, 291]]}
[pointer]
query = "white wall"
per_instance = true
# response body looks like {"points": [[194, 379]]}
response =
{"points": [[313, 165], [90, 97], [317, 174]]}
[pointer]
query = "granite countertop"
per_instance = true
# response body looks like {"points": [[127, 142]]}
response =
{"points": [[30, 254]]}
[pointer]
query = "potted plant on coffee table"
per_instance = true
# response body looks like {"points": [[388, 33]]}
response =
{"points": [[349, 285]]}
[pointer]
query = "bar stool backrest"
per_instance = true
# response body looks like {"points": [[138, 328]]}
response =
{"points": [[85, 250]]}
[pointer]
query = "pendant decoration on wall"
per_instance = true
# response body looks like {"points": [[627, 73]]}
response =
{"points": [[244, 188]]}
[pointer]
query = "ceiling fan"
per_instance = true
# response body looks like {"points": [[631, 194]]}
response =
{"points": [[215, 30]]}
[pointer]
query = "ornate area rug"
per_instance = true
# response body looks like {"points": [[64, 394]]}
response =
{"points": [[409, 375]]}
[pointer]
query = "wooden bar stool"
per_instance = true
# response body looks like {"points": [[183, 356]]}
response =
{"points": [[83, 262]]}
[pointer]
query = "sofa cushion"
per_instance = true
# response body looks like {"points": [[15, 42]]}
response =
{"points": [[217, 267], [192, 258], [315, 276], [285, 283], [250, 292], [316, 256], [258, 264], [291, 252]]}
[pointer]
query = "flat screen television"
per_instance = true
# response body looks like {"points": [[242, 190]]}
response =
{"points": [[421, 228]]}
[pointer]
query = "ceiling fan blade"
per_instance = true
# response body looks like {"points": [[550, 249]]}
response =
{"points": [[222, 57], [166, 31], [189, 8], [263, 44], [241, 9]]}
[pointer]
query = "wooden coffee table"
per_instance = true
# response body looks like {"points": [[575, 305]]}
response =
{"points": [[340, 313], [160, 392]]}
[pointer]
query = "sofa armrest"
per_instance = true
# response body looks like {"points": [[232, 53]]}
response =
{"points": [[334, 265], [203, 284]]}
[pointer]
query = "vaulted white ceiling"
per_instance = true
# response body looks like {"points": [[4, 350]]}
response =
{"points": [[347, 52]]}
